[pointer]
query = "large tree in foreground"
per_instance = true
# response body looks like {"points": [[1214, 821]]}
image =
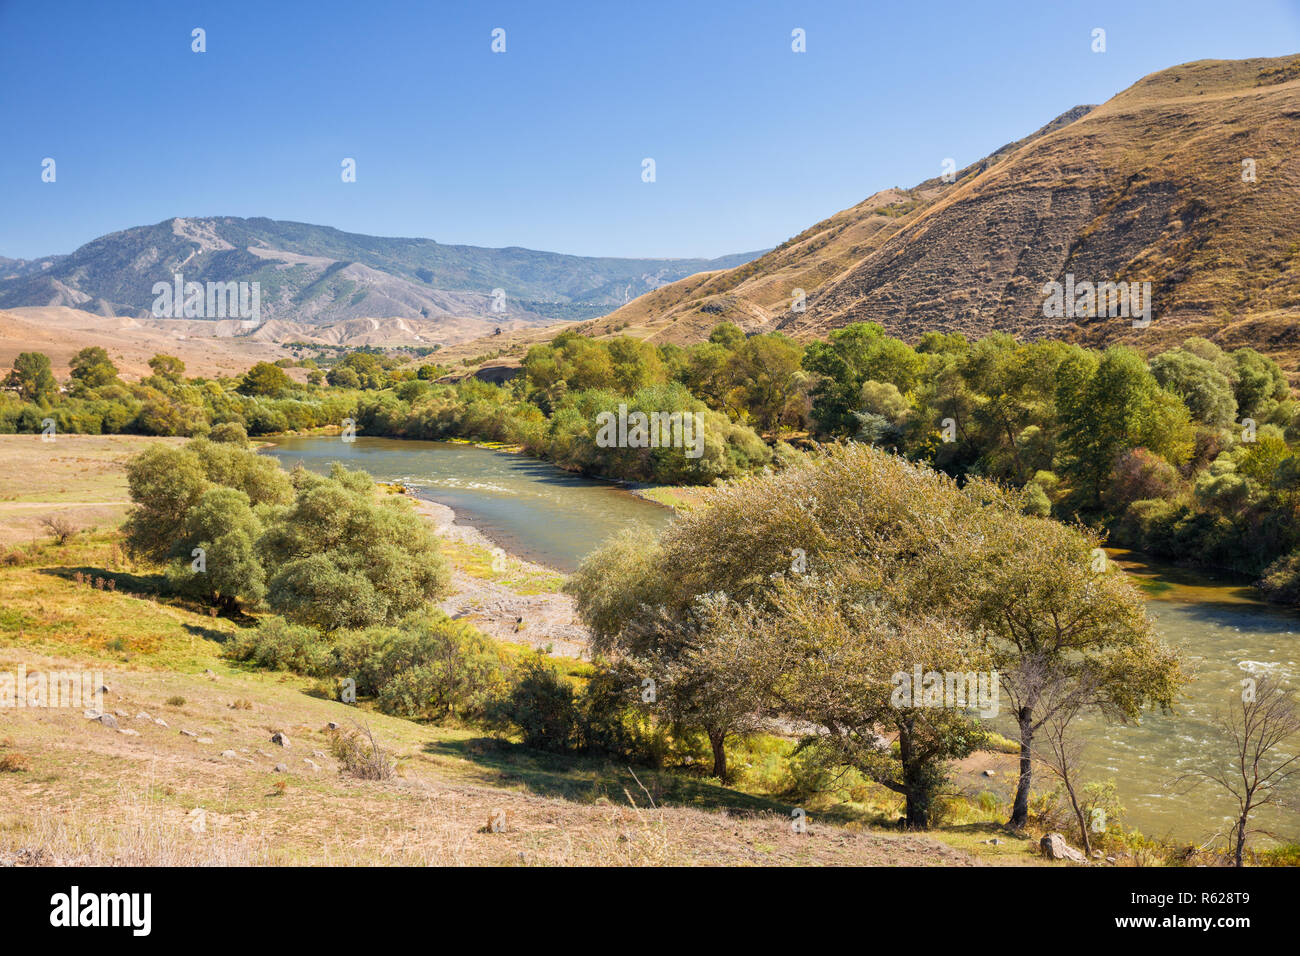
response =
{"points": [[897, 544]]}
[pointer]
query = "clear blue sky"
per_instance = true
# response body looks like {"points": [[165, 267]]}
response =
{"points": [[542, 146]]}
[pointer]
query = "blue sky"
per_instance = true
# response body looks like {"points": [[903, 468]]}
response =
{"points": [[542, 146]]}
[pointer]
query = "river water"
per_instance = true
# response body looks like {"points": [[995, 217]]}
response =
{"points": [[530, 508], [542, 513]]}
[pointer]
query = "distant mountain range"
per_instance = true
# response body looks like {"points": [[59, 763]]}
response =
{"points": [[1187, 180], [318, 276]]}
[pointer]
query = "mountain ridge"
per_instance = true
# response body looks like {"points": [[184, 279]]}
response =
{"points": [[312, 274]]}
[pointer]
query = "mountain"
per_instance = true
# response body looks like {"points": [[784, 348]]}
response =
{"points": [[1147, 187], [315, 275]]}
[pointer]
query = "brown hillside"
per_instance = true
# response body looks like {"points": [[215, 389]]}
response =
{"points": [[1146, 187]]}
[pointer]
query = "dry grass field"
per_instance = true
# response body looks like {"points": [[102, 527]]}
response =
{"points": [[193, 739]]}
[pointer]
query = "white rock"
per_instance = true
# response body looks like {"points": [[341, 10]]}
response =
{"points": [[1054, 847]]}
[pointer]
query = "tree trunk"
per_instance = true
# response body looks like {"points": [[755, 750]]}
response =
{"points": [[717, 739], [1240, 850], [1020, 810], [1078, 815], [917, 785]]}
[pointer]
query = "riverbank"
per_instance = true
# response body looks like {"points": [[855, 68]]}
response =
{"points": [[503, 595]]}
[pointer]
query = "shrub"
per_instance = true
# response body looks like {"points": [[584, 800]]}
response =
{"points": [[360, 755], [276, 644], [1281, 581], [611, 721], [15, 762], [541, 706]]}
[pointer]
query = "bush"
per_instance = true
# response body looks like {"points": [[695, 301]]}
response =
{"points": [[541, 706], [612, 722], [1281, 581], [231, 433], [278, 645], [360, 755]]}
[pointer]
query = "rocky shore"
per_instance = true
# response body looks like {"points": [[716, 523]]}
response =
{"points": [[545, 621]]}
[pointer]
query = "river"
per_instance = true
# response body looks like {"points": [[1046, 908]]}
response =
{"points": [[539, 512], [530, 508]]}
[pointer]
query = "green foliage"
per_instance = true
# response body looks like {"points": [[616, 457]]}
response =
{"points": [[32, 378], [541, 704], [264, 379], [277, 645], [339, 558], [329, 552]]}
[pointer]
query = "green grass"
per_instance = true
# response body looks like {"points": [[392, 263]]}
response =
{"points": [[481, 562]]}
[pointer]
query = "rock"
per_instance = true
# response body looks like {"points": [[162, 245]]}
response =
{"points": [[209, 673], [160, 722], [989, 773], [315, 767], [332, 726], [1110, 859], [103, 689], [281, 739], [121, 713], [188, 733], [1054, 847], [108, 720], [281, 768], [229, 754], [205, 740], [143, 716], [318, 753], [128, 732], [90, 714], [1097, 854]]}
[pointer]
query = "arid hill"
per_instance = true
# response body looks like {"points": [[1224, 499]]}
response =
{"points": [[1151, 186]]}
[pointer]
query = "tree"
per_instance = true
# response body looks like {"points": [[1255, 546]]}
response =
{"points": [[1062, 632], [343, 376], [834, 658], [768, 371], [1110, 406], [855, 513], [1260, 384], [851, 356], [1204, 388], [222, 528], [92, 368], [1257, 768], [32, 378], [264, 379], [168, 368], [166, 483], [1063, 699], [728, 335], [339, 558]]}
